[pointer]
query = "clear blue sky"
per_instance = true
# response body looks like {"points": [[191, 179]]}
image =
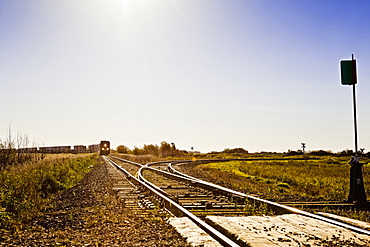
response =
{"points": [[209, 74]]}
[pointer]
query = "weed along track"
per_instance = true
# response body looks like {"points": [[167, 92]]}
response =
{"points": [[232, 218]]}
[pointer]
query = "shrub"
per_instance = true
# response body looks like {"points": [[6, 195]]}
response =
{"points": [[321, 153], [123, 149], [25, 189], [235, 151]]}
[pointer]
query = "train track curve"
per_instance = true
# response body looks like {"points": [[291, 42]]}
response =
{"points": [[168, 203], [196, 199]]}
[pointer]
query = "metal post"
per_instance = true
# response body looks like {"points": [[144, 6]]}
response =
{"points": [[355, 118], [357, 192], [354, 113]]}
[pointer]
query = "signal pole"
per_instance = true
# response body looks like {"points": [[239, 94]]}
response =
{"points": [[303, 146], [357, 193], [354, 108]]}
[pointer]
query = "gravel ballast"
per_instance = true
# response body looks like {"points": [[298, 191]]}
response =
{"points": [[90, 214]]}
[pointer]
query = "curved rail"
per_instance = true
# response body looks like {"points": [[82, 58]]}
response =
{"points": [[273, 204], [127, 161], [225, 241], [277, 206], [168, 203]]}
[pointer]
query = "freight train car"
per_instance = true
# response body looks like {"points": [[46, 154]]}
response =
{"points": [[55, 149], [79, 149], [104, 148], [94, 148]]}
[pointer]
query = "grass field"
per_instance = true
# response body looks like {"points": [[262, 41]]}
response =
{"points": [[28, 188], [276, 176], [325, 179], [320, 178]]}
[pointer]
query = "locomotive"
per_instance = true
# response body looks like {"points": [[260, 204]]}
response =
{"points": [[104, 148]]}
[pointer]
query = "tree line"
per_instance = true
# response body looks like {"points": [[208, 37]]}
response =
{"points": [[163, 150]]}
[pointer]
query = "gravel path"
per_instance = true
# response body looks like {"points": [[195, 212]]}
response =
{"points": [[90, 214]]}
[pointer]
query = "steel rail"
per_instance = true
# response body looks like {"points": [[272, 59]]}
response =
{"points": [[169, 203], [221, 238], [273, 204], [127, 161], [129, 176]]}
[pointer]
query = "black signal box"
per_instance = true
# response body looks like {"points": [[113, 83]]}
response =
{"points": [[348, 72]]}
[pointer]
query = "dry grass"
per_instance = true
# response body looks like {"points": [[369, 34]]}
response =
{"points": [[324, 179], [26, 188], [308, 179]]}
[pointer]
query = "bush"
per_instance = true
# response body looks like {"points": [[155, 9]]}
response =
{"points": [[26, 189], [321, 153], [347, 152], [14, 151], [291, 152], [235, 151], [123, 149]]}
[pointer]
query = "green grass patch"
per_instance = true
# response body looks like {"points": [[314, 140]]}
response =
{"points": [[26, 189], [324, 178]]}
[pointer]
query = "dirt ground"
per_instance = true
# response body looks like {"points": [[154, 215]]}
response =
{"points": [[90, 214]]}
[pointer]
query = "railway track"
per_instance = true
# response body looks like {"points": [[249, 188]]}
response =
{"points": [[128, 189], [185, 196], [198, 199], [129, 170]]}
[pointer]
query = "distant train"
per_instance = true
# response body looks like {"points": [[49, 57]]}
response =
{"points": [[103, 148]]}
